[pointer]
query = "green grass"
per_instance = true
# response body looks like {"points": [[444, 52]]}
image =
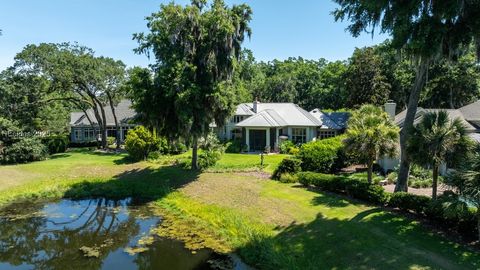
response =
{"points": [[239, 162], [270, 224]]}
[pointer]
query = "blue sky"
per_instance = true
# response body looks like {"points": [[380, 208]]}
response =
{"points": [[281, 28]]}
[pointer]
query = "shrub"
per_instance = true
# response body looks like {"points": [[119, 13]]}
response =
{"points": [[234, 146], [356, 188], [208, 158], [288, 178], [321, 155], [111, 140], [285, 147], [154, 155], [141, 142], [176, 148], [24, 150], [409, 202], [56, 143], [363, 190], [287, 165]]}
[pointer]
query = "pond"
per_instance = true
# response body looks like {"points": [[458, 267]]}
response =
{"points": [[93, 234]]}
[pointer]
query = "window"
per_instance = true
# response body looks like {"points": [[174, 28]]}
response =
{"points": [[77, 134], [324, 134], [237, 119], [89, 134], [299, 135]]}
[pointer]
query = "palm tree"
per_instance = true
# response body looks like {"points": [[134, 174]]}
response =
{"points": [[435, 140], [467, 183], [370, 135]]}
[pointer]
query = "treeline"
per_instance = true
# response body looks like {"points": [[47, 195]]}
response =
{"points": [[372, 75]]}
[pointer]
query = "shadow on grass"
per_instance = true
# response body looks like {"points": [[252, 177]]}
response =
{"points": [[57, 156], [373, 239], [143, 185]]}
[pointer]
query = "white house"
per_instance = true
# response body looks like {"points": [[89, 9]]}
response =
{"points": [[260, 125]]}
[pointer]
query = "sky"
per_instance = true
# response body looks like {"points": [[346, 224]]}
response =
{"points": [[281, 28]]}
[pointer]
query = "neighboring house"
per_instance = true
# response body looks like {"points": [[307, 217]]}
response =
{"points": [[262, 125], [83, 131], [469, 115]]}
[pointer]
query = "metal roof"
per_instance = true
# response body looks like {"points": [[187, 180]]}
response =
{"points": [[332, 120], [452, 114], [123, 111], [277, 115]]}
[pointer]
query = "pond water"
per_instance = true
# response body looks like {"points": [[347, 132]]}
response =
{"points": [[91, 234]]}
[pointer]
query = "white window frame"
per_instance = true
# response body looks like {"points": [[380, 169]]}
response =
{"points": [[325, 134], [299, 135]]}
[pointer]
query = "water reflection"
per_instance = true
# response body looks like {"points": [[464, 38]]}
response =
{"points": [[87, 234]]}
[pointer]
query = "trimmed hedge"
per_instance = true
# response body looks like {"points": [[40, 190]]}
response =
{"points": [[410, 202], [448, 211], [287, 165], [324, 156], [355, 188]]}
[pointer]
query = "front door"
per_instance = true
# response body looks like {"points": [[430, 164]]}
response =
{"points": [[258, 140]]}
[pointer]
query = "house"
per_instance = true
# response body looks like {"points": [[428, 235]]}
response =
{"points": [[83, 131], [265, 125], [469, 115]]}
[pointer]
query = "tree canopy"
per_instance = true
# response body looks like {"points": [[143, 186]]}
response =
{"points": [[196, 48], [426, 30]]}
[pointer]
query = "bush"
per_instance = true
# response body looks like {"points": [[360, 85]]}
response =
{"points": [[355, 188], [24, 150], [111, 141], [176, 148], [288, 178], [141, 142], [234, 146], [321, 155], [410, 202], [362, 190], [209, 158], [288, 147], [287, 165], [56, 143]]}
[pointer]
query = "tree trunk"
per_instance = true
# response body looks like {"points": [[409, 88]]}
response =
{"points": [[421, 71], [195, 154], [478, 222], [112, 107], [370, 171], [435, 181]]}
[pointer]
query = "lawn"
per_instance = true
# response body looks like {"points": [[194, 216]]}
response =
{"points": [[270, 224]]}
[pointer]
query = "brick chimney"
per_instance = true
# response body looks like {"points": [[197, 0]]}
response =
{"points": [[390, 108]]}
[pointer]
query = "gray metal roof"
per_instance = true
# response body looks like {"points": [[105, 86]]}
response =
{"points": [[278, 115], [123, 111], [475, 137], [471, 112], [333, 120], [452, 114]]}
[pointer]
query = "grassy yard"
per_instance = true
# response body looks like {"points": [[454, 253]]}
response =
{"points": [[270, 224]]}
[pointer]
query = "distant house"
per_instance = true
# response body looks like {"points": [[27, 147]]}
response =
{"points": [[260, 125], [83, 131], [469, 115]]}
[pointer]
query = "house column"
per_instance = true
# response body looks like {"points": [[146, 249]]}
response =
{"points": [[247, 139], [276, 139], [268, 137]]}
